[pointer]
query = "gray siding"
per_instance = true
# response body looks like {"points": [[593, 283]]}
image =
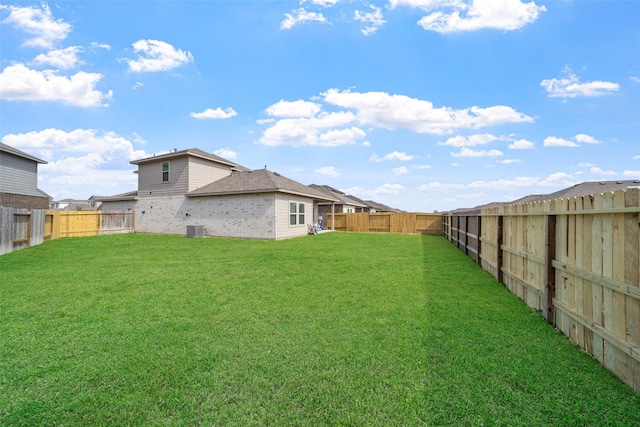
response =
{"points": [[18, 175], [150, 178], [203, 172]]}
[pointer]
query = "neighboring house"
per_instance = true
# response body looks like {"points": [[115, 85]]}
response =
{"points": [[195, 188], [345, 204], [19, 180], [71, 205], [379, 207]]}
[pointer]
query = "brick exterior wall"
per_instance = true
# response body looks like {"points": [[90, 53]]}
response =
{"points": [[20, 201]]}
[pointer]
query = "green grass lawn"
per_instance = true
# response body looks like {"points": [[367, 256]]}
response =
{"points": [[334, 329]]}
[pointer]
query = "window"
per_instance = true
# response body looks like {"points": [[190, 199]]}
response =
{"points": [[165, 171], [296, 213]]}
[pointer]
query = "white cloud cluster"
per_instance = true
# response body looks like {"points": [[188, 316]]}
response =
{"points": [[80, 161], [19, 83], [62, 59], [226, 153], [299, 123], [571, 87], [156, 55], [218, 113], [395, 155], [372, 20], [44, 30], [554, 141], [447, 16], [442, 16], [330, 171], [300, 16], [558, 179]]}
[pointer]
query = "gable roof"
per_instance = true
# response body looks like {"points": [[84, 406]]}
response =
{"points": [[258, 181], [337, 194], [380, 207], [130, 195], [8, 149], [195, 152]]}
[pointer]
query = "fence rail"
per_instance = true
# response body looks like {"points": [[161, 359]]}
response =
{"points": [[387, 222], [21, 228], [575, 260]]}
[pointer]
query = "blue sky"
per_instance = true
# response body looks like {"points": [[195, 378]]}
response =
{"points": [[419, 104]]}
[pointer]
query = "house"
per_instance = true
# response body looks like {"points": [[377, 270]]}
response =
{"points": [[19, 180], [195, 188], [345, 204], [71, 205]]}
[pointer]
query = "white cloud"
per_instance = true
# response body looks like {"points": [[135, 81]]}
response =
{"points": [[156, 55], [446, 16], [372, 21], [62, 59], [521, 144], [387, 111], [469, 141], [218, 113], [553, 141], [424, 167], [305, 123], [395, 155], [323, 3], [330, 171], [82, 162], [293, 109], [366, 144], [389, 189], [19, 83], [39, 23], [100, 45], [509, 161], [226, 153], [137, 85], [506, 184], [636, 157], [318, 131], [439, 186], [300, 16], [558, 179], [598, 171], [571, 87], [402, 170], [586, 139], [468, 152], [631, 173]]}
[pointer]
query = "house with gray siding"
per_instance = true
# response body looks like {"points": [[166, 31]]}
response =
{"points": [[194, 188], [19, 180]]}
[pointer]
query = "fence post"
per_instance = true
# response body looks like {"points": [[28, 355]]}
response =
{"points": [[499, 241], [549, 270], [55, 225], [479, 248]]}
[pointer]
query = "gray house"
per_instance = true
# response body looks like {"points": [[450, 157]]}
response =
{"points": [[19, 180], [345, 204], [192, 187]]}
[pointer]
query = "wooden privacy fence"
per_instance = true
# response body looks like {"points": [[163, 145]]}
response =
{"points": [[20, 228], [387, 222], [575, 260]]}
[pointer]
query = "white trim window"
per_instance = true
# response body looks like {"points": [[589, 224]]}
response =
{"points": [[296, 213]]}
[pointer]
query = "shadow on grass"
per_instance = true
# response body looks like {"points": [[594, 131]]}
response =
{"points": [[493, 360]]}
